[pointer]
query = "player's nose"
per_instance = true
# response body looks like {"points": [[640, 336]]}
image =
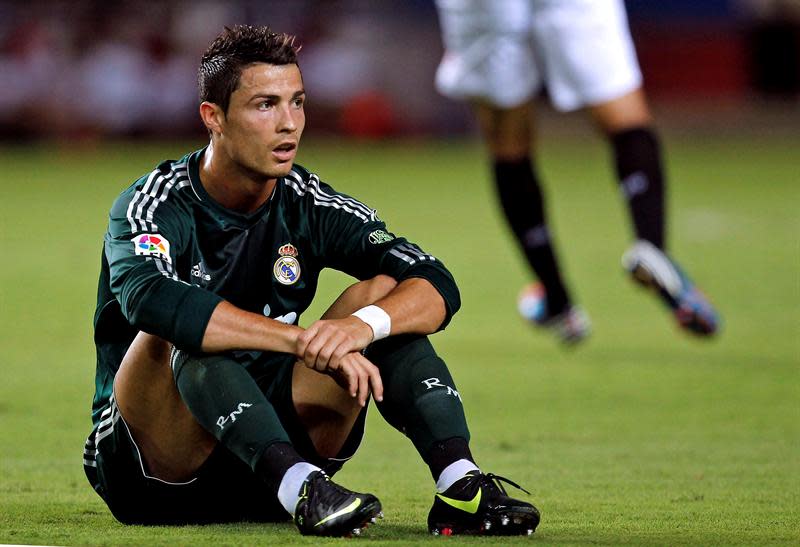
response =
{"points": [[287, 122]]}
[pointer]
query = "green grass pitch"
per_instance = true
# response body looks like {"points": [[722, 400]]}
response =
{"points": [[641, 436]]}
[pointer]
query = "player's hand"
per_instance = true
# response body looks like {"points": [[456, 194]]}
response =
{"points": [[323, 344], [358, 376]]}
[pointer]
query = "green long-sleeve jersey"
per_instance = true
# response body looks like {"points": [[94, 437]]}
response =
{"points": [[172, 253]]}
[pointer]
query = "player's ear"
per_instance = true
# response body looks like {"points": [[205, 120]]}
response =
{"points": [[213, 117]]}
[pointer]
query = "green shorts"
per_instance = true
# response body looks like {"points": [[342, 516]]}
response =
{"points": [[223, 489]]}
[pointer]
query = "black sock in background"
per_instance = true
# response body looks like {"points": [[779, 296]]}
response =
{"points": [[523, 205], [637, 156]]}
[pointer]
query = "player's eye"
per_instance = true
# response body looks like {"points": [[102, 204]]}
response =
{"points": [[298, 102], [265, 105]]}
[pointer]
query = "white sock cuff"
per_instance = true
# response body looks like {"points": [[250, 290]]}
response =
{"points": [[289, 490], [453, 472]]}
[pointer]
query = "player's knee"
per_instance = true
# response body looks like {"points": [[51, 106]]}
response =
{"points": [[410, 366], [190, 368], [622, 114], [318, 398], [505, 147], [400, 349]]}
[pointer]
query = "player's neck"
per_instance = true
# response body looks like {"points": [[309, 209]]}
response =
{"points": [[230, 185]]}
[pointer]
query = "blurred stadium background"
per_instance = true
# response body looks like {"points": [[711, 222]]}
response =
{"points": [[88, 69], [642, 436]]}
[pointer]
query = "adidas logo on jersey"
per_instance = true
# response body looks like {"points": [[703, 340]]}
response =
{"points": [[199, 272]]}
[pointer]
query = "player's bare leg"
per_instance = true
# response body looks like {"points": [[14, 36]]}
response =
{"points": [[326, 409], [172, 443], [508, 132], [329, 412], [626, 112]]}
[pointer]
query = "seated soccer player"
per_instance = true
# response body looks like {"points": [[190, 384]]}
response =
{"points": [[211, 403]]}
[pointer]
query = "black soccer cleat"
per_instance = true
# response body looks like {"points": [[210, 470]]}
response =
{"points": [[478, 504], [327, 509]]}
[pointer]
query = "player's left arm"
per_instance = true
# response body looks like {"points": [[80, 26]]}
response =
{"points": [[412, 306], [422, 301]]}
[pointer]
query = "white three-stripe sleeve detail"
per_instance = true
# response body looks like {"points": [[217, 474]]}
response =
{"points": [[149, 192], [134, 202], [165, 268], [315, 182], [402, 256], [324, 199], [152, 193], [416, 252], [178, 183], [311, 190]]}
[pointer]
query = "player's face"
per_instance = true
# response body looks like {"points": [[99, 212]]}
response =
{"points": [[265, 119]]}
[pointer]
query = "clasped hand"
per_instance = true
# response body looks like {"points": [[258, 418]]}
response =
{"points": [[333, 347]]}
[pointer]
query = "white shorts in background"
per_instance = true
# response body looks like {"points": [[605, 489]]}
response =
{"points": [[504, 51]]}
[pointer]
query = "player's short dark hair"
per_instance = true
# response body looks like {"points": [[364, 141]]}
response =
{"points": [[234, 49]]}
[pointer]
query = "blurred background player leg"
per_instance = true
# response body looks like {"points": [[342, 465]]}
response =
{"points": [[590, 62], [611, 87], [490, 61], [627, 124], [509, 138]]}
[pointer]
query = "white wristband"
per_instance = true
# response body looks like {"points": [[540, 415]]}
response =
{"points": [[378, 320]]}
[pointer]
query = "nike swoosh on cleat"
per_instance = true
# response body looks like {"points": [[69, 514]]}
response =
{"points": [[470, 506], [349, 509]]}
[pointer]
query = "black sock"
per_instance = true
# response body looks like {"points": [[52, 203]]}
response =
{"points": [[227, 402], [637, 155], [420, 399], [523, 205], [275, 461], [443, 453]]}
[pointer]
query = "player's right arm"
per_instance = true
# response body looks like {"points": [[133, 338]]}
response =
{"points": [[143, 246], [230, 327]]}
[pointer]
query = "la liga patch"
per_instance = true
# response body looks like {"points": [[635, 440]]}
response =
{"points": [[152, 245]]}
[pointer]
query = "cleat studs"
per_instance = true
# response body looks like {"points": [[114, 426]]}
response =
{"points": [[380, 515], [504, 520], [434, 531], [356, 531], [487, 525], [529, 531], [373, 520]]}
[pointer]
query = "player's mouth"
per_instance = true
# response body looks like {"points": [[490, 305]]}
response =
{"points": [[285, 151]]}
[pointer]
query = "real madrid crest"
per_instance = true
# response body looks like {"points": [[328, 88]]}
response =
{"points": [[287, 267]]}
